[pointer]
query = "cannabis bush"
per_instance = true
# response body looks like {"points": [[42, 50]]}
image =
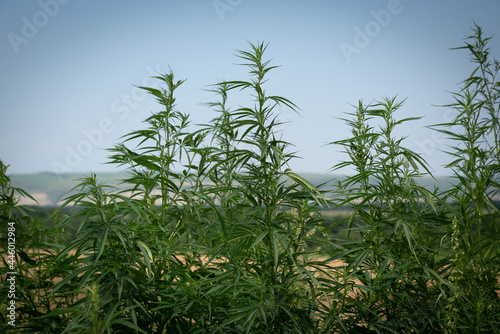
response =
{"points": [[212, 231]]}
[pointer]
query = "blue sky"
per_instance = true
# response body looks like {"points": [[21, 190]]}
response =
{"points": [[68, 69]]}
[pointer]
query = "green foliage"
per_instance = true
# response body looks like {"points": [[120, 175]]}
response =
{"points": [[396, 218], [472, 300], [212, 232]]}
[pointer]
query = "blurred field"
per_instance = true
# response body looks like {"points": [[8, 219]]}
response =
{"points": [[50, 188]]}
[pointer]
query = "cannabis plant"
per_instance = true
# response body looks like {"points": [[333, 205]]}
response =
{"points": [[395, 217], [473, 303]]}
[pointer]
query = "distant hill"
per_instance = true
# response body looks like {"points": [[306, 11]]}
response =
{"points": [[50, 188]]}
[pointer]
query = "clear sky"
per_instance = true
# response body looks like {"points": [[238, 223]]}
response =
{"points": [[68, 69]]}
